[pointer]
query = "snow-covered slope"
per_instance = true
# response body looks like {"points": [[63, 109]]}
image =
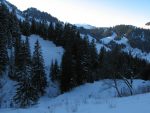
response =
{"points": [[11, 7], [104, 42], [49, 49], [85, 26], [97, 44], [107, 40], [97, 97], [50, 52]]}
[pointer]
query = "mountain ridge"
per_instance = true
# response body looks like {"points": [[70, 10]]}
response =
{"points": [[39, 15], [148, 24]]}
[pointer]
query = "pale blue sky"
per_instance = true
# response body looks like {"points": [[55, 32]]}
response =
{"points": [[101, 13]]}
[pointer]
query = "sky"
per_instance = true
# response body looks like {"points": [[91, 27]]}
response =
{"points": [[100, 13]]}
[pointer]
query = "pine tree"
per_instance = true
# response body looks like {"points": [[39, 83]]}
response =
{"points": [[68, 80], [14, 28], [43, 29], [25, 28], [101, 64], [19, 59], [27, 51], [93, 55], [3, 49], [84, 60], [93, 61], [101, 57], [33, 27], [51, 31], [17, 51], [38, 72], [26, 94], [22, 57], [11, 70], [3, 38], [55, 71]]}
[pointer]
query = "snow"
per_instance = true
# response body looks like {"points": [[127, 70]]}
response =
{"points": [[85, 26], [135, 52], [107, 40], [98, 45], [50, 53], [18, 13], [7, 92], [123, 40], [97, 97], [6, 3], [19, 16], [49, 50]]}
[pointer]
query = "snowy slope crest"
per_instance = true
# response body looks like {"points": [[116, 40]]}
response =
{"points": [[85, 26]]}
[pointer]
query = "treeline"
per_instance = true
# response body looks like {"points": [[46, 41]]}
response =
{"points": [[81, 63]]}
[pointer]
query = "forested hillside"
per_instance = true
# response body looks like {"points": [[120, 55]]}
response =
{"points": [[81, 61]]}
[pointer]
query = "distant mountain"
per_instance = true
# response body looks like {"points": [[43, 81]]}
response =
{"points": [[85, 26], [30, 13], [148, 23], [39, 16]]}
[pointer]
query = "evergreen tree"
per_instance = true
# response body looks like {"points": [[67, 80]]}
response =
{"points": [[3, 48], [101, 57], [19, 59], [11, 70], [33, 27], [14, 28], [55, 71], [93, 61], [43, 29], [26, 94], [38, 72], [51, 32], [68, 80], [58, 33], [3, 38], [25, 28], [93, 55], [22, 57], [27, 51], [85, 62]]}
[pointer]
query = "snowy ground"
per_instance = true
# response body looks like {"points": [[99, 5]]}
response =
{"points": [[97, 97]]}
